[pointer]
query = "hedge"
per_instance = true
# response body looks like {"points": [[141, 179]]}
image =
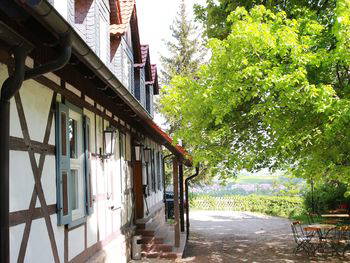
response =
{"points": [[283, 206]]}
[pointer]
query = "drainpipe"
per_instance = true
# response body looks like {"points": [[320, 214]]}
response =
{"points": [[187, 204], [181, 183], [164, 195], [9, 88]]}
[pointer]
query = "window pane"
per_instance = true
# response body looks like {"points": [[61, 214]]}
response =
{"points": [[73, 138], [75, 188], [65, 192], [63, 134]]}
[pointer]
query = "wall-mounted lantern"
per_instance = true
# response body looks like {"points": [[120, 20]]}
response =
{"points": [[147, 158], [138, 152], [109, 137], [147, 155]]}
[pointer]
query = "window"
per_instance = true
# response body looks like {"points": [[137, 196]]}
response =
{"points": [[159, 170], [74, 200], [153, 171], [148, 99]]}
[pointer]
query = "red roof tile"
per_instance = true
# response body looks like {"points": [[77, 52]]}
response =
{"points": [[154, 80], [144, 54], [175, 149], [126, 9]]}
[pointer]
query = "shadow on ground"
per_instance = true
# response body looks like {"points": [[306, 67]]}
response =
{"points": [[227, 236]]}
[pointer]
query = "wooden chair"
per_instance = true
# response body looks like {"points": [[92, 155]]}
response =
{"points": [[302, 240]]}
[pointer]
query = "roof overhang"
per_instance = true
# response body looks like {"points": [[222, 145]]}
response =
{"points": [[56, 25]]}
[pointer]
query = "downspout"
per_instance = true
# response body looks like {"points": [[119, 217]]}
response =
{"points": [[164, 195], [187, 204], [9, 88], [181, 183]]}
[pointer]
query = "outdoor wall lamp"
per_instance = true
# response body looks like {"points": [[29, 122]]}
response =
{"points": [[147, 155], [147, 158], [138, 152], [109, 137]]}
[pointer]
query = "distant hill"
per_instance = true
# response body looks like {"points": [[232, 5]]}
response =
{"points": [[255, 179]]}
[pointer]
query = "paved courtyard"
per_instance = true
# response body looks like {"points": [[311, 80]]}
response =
{"points": [[230, 237]]}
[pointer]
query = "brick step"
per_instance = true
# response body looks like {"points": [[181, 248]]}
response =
{"points": [[151, 254], [151, 240], [163, 255], [144, 232], [157, 248], [169, 255]]}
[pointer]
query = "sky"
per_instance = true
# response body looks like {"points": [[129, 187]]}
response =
{"points": [[155, 18]]}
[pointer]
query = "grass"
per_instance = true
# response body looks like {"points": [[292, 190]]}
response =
{"points": [[244, 179]]}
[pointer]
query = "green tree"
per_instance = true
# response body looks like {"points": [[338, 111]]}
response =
{"points": [[213, 15], [275, 94], [185, 50]]}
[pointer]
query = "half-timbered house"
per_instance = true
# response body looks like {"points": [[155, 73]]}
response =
{"points": [[81, 162]]}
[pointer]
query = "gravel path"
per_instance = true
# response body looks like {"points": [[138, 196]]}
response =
{"points": [[228, 236]]}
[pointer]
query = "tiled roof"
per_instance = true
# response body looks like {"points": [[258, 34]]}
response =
{"points": [[144, 53], [169, 143], [126, 9], [154, 80]]}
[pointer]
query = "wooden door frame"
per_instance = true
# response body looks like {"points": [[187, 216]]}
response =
{"points": [[138, 189]]}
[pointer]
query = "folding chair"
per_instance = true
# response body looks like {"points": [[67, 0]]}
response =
{"points": [[303, 241]]}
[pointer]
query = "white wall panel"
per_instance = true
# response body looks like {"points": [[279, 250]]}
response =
{"points": [[75, 242], [59, 236], [48, 179], [92, 228], [39, 239], [16, 233], [21, 181], [36, 100]]}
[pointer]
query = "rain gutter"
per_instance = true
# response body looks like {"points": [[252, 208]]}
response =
{"points": [[20, 48], [46, 14]]}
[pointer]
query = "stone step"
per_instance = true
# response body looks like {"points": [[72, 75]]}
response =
{"points": [[157, 248], [144, 232], [169, 255], [151, 240], [150, 254], [163, 255]]}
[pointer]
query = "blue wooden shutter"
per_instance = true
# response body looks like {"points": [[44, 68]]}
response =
{"points": [[87, 149], [64, 213]]}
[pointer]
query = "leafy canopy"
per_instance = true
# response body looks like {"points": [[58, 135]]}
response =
{"points": [[274, 94], [213, 14]]}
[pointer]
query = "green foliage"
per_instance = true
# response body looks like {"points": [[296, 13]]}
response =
{"points": [[326, 196], [275, 94], [213, 15], [185, 49], [271, 205]]}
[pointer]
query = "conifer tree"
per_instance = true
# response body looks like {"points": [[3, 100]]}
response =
{"points": [[185, 50]]}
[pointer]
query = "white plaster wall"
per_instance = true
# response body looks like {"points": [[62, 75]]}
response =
{"points": [[75, 242], [36, 100], [16, 234], [48, 179], [39, 242], [21, 181]]}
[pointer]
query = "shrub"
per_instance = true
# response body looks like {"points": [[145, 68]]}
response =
{"points": [[326, 196], [284, 206]]}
